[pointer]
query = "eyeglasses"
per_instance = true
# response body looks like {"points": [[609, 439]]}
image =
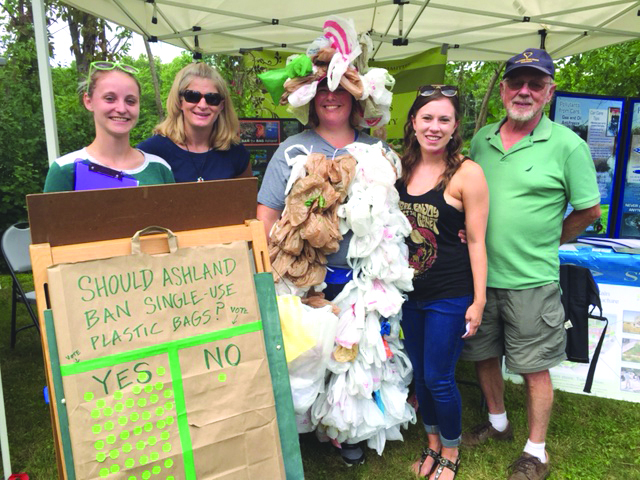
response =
{"points": [[193, 96], [111, 66], [534, 85], [446, 90], [104, 65]]}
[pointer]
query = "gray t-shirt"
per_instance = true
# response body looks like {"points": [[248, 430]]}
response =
{"points": [[277, 175]]}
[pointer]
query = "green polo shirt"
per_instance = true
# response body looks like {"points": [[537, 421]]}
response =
{"points": [[529, 188]]}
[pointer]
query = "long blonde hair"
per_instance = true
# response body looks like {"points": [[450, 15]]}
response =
{"points": [[226, 128]]}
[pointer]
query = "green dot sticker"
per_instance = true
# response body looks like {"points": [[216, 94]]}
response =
{"points": [[129, 402], [99, 445], [156, 470], [119, 407], [104, 472], [154, 457], [152, 440], [140, 445], [222, 377], [161, 371], [134, 416], [148, 388], [168, 463], [146, 415], [115, 468], [168, 393], [166, 447], [101, 403], [126, 448], [159, 412], [146, 475], [111, 439], [114, 454], [171, 477], [153, 398], [159, 385], [108, 426], [95, 413], [108, 412], [137, 430], [129, 463], [124, 435], [137, 389], [142, 402], [170, 420], [96, 429], [164, 435], [168, 405], [160, 423], [144, 460], [88, 396], [117, 395], [122, 421], [101, 457], [132, 477]]}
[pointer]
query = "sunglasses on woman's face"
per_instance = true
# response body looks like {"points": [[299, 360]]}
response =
{"points": [[193, 96], [446, 90]]}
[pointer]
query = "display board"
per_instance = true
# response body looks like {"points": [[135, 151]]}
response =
{"points": [[598, 121], [628, 224], [164, 364]]}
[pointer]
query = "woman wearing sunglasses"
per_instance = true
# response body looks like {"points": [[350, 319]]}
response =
{"points": [[199, 138], [441, 193], [112, 93]]}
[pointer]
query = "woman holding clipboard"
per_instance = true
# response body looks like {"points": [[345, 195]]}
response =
{"points": [[112, 94]]}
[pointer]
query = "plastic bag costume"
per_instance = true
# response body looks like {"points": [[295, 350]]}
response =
{"points": [[348, 372]]}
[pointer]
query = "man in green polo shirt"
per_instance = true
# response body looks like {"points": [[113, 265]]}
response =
{"points": [[534, 167]]}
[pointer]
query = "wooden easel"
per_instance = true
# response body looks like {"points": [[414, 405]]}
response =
{"points": [[79, 226]]}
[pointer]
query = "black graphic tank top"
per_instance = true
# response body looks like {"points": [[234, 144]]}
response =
{"points": [[440, 259]]}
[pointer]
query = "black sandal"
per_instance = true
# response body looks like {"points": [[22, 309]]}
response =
{"points": [[428, 452], [446, 463]]}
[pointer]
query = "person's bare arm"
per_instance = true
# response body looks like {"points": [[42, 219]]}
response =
{"points": [[268, 216], [577, 221], [475, 200]]}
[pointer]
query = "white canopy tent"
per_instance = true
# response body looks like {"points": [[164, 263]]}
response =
{"points": [[465, 29]]}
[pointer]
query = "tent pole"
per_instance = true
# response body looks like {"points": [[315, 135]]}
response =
{"points": [[46, 85]]}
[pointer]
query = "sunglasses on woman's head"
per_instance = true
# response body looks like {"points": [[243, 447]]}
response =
{"points": [[105, 66], [193, 96], [446, 90]]}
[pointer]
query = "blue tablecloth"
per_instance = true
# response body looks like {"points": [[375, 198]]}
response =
{"points": [[606, 265]]}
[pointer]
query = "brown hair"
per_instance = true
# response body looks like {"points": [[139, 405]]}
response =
{"points": [[226, 128], [412, 154]]}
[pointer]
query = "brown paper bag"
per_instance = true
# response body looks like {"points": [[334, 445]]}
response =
{"points": [[164, 369]]}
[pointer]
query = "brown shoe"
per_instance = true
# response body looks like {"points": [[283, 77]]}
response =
{"points": [[528, 467], [483, 432]]}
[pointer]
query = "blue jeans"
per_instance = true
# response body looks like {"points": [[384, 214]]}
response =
{"points": [[433, 339]]}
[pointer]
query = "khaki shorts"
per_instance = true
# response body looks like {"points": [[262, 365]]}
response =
{"points": [[527, 326]]}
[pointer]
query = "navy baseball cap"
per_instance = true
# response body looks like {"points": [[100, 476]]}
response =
{"points": [[531, 58]]}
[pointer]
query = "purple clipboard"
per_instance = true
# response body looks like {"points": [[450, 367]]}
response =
{"points": [[91, 176]]}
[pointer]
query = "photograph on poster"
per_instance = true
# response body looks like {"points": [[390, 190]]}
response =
{"points": [[597, 121], [630, 350], [631, 322], [630, 380]]}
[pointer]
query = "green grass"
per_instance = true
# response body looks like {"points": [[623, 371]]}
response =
{"points": [[589, 437]]}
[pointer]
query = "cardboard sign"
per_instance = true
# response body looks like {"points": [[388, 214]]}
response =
{"points": [[163, 365]]}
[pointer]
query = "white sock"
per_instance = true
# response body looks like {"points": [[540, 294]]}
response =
{"points": [[537, 450], [499, 421]]}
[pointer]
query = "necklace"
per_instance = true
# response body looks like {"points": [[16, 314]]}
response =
{"points": [[199, 168]]}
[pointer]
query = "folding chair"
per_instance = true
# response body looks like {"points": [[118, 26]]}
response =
{"points": [[15, 250]]}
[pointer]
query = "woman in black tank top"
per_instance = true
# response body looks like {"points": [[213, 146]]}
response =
{"points": [[441, 193]]}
